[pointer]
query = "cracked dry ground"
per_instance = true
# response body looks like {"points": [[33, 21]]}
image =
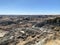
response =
{"points": [[51, 38]]}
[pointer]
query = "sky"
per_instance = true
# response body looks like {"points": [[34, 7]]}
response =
{"points": [[29, 6]]}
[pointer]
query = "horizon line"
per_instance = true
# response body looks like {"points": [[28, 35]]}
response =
{"points": [[29, 14]]}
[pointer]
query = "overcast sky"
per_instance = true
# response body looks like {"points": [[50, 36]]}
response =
{"points": [[29, 6]]}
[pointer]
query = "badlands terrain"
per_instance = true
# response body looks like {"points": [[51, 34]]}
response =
{"points": [[30, 30]]}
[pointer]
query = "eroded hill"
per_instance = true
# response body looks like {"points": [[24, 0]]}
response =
{"points": [[38, 30]]}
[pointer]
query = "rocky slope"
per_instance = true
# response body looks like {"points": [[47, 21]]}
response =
{"points": [[46, 32]]}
